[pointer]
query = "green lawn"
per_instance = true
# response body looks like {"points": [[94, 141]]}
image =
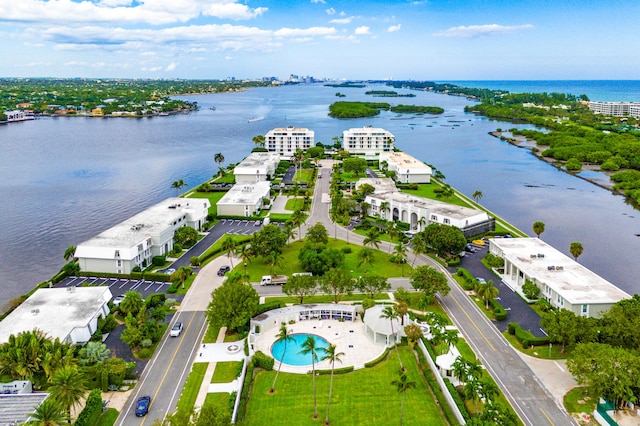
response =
{"points": [[294, 204], [303, 175], [213, 198], [380, 266], [541, 352], [220, 401], [227, 178], [211, 335], [108, 418], [362, 397], [192, 387], [426, 190], [580, 400], [226, 372], [349, 177]]}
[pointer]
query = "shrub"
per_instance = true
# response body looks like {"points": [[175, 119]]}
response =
{"points": [[136, 268], [158, 260], [457, 399], [155, 299], [498, 310], [263, 361], [107, 325], [268, 307], [526, 338], [530, 290], [511, 328], [453, 262], [246, 387], [343, 370], [194, 260], [172, 288], [92, 409], [494, 261], [544, 305], [177, 248], [346, 249], [378, 360], [145, 353]]}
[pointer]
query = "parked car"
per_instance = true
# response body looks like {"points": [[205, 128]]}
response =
{"points": [[481, 280], [142, 407], [169, 271], [176, 329], [223, 270], [117, 300]]}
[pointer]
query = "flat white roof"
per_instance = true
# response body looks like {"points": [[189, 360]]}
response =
{"points": [[381, 185], [55, 311], [405, 162], [280, 131], [257, 162], [19, 408], [367, 130], [152, 221], [246, 193], [435, 207], [574, 282]]}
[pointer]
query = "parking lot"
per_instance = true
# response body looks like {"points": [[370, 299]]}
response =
{"points": [[118, 286], [241, 227]]}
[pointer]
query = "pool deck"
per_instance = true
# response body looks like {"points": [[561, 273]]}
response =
{"points": [[348, 336]]}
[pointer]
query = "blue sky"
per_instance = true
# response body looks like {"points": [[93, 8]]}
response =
{"points": [[368, 39]]}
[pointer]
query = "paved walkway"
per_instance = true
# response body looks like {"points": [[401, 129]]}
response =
{"points": [[279, 203]]}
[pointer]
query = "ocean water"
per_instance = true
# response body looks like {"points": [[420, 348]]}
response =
{"points": [[596, 90]]}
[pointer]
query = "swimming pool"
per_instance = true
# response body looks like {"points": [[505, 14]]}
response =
{"points": [[291, 355]]}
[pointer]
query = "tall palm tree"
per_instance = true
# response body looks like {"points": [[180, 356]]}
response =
{"points": [[389, 313], [183, 273], [449, 337], [400, 253], [477, 195], [131, 303], [259, 140], [69, 253], [372, 238], [402, 385], [309, 347], [289, 230], [487, 292], [67, 388], [178, 185], [48, 414], [331, 356], [488, 390], [538, 228], [575, 248], [384, 208], [219, 158], [418, 245], [365, 256], [245, 254], [275, 260], [228, 246], [283, 336], [421, 222], [297, 219]]}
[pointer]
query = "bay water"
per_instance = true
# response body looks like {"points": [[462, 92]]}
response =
{"points": [[64, 180]]}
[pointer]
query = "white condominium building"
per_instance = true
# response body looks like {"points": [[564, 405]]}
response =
{"points": [[407, 168], [616, 109], [287, 140], [257, 167], [368, 141], [136, 240]]}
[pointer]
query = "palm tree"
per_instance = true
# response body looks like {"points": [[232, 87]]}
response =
{"points": [[487, 292], [219, 158], [372, 238], [575, 249], [400, 253], [477, 195], [93, 353], [449, 337], [419, 246], [259, 140], [331, 356], [297, 219], [48, 414], [402, 386], [309, 347], [384, 207], [289, 230], [421, 222], [365, 256], [283, 336], [538, 228], [245, 254], [275, 260], [394, 234], [228, 246], [183, 273], [178, 185], [471, 389], [389, 313], [67, 388], [131, 303], [460, 369], [69, 253], [488, 390]]}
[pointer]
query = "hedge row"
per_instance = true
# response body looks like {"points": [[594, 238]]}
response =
{"points": [[498, 310], [525, 336], [343, 370], [468, 278], [432, 352], [92, 409], [377, 360], [244, 396], [212, 253], [263, 361], [457, 399], [268, 307]]}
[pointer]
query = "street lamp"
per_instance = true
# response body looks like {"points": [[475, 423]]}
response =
{"points": [[245, 272]]}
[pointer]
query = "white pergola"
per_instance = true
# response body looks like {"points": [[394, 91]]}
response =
{"points": [[380, 329]]}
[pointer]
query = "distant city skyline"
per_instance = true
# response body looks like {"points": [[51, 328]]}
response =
{"points": [[375, 39]]}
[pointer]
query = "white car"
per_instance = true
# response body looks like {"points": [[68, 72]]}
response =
{"points": [[117, 300], [176, 330]]}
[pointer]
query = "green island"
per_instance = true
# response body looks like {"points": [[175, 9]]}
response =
{"points": [[389, 94], [71, 97], [343, 109], [347, 85]]}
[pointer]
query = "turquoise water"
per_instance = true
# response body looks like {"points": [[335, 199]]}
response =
{"points": [[292, 355]]}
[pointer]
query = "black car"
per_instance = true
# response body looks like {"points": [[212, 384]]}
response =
{"points": [[223, 270]]}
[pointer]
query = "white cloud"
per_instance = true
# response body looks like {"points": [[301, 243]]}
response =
{"points": [[318, 1], [330, 11], [172, 66], [297, 32], [481, 30], [363, 30], [394, 28], [155, 12], [342, 20]]}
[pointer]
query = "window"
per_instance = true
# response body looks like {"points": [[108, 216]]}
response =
{"points": [[118, 262], [446, 221], [434, 217], [117, 253], [585, 309]]}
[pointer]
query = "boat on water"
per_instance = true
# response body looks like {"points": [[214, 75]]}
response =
{"points": [[251, 120], [212, 108]]}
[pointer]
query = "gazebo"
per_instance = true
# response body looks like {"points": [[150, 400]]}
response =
{"points": [[379, 329]]}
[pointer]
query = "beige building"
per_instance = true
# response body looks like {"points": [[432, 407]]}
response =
{"points": [[407, 168], [136, 240], [244, 199], [257, 167], [367, 141], [563, 282], [616, 109], [287, 140]]}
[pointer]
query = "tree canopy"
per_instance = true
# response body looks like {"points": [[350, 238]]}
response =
{"points": [[269, 239], [232, 304], [429, 281]]}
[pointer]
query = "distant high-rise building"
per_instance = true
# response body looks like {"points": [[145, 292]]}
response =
{"points": [[368, 141], [616, 109]]}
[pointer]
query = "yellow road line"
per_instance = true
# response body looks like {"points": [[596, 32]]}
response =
{"points": [[472, 322], [546, 417], [169, 366]]}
